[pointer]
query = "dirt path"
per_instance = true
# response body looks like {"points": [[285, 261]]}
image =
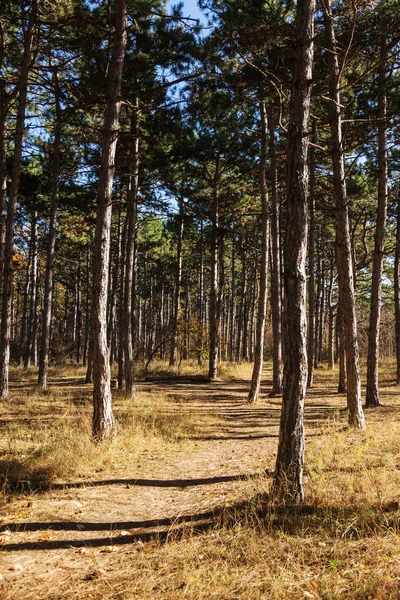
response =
{"points": [[70, 531]]}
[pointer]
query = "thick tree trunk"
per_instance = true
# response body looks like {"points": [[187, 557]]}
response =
{"points": [[102, 411], [276, 305], [131, 217], [288, 479], [344, 251], [6, 314], [372, 396], [262, 299]]}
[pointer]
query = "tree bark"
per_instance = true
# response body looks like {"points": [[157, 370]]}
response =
{"points": [[51, 242], [131, 217], [397, 291], [103, 420], [344, 250], [372, 395], [311, 270], [178, 290], [288, 478], [276, 305], [33, 298], [262, 299], [214, 316]]}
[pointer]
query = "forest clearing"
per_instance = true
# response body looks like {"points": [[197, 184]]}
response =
{"points": [[176, 507], [199, 299]]}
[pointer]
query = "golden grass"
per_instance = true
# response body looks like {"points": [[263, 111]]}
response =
{"points": [[43, 433], [342, 544]]}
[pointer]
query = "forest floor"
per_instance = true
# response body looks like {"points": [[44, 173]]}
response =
{"points": [[176, 506]]}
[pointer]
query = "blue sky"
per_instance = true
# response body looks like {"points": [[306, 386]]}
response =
{"points": [[190, 9]]}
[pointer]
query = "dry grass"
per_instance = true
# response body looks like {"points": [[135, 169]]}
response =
{"points": [[343, 544], [43, 433]]}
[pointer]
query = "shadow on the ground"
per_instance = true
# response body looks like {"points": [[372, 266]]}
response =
{"points": [[163, 483], [354, 522]]}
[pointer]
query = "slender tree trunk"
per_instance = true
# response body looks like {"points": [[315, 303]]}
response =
{"points": [[342, 383], [397, 291], [131, 217], [321, 315], [276, 305], [201, 311], [288, 479], [178, 290], [51, 242], [331, 320], [214, 317], [372, 397], [4, 106], [33, 298], [344, 252], [232, 312], [6, 315], [262, 299], [102, 411], [311, 270], [25, 308]]}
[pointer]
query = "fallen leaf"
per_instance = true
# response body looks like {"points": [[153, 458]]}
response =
{"points": [[110, 549], [124, 533], [96, 574], [83, 551]]}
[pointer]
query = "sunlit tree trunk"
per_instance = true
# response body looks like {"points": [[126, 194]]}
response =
{"points": [[51, 242], [262, 299], [344, 251], [288, 478], [276, 305], [372, 397], [131, 216], [214, 316], [102, 411]]}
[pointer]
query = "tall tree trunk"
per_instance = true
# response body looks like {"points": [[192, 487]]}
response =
{"points": [[102, 411], [214, 316], [288, 479], [276, 305], [372, 396], [178, 290], [51, 241], [311, 270], [131, 217], [342, 383], [25, 308], [331, 319], [397, 291], [232, 311], [33, 299], [262, 299], [6, 314], [201, 311], [344, 251]]}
